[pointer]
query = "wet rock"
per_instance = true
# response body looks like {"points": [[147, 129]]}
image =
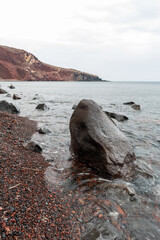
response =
{"points": [[93, 234], [96, 141], [50, 160], [8, 107], [33, 147], [2, 91], [8, 95], [118, 117], [16, 97], [136, 107], [11, 86], [43, 130], [42, 106], [129, 103]]}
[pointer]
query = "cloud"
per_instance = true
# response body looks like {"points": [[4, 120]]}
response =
{"points": [[116, 39]]}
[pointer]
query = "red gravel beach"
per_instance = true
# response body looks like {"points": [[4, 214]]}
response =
{"points": [[28, 210]]}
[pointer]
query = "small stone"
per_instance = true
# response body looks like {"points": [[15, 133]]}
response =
{"points": [[136, 107], [16, 97], [114, 215], [50, 160], [100, 215], [129, 103], [11, 86], [42, 106], [43, 130]]}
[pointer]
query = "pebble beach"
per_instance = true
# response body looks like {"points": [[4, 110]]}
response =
{"points": [[28, 210]]}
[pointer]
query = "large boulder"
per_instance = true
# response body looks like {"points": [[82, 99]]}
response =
{"points": [[8, 107], [97, 141]]}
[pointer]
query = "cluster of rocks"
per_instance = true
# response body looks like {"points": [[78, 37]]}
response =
{"points": [[10, 108], [133, 105]]}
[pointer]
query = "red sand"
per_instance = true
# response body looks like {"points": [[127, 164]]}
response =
{"points": [[27, 209]]}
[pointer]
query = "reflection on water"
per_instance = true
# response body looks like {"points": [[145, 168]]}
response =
{"points": [[112, 209]]}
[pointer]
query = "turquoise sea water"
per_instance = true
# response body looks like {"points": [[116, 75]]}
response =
{"points": [[142, 128]]}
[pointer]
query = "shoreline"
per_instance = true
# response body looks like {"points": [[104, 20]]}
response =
{"points": [[28, 210]]}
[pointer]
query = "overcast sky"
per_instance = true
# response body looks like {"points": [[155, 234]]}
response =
{"points": [[116, 40]]}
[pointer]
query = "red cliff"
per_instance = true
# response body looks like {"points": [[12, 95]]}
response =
{"points": [[20, 65]]}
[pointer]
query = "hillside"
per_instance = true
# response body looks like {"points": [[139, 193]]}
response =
{"points": [[16, 64]]}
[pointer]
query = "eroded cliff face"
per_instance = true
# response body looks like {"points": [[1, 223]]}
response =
{"points": [[20, 65]]}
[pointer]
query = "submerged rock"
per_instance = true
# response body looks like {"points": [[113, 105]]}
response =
{"points": [[8, 107], [97, 141], [42, 106], [2, 91], [136, 107], [8, 95], [118, 117]]}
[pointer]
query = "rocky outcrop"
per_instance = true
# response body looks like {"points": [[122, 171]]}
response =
{"points": [[20, 65], [97, 141], [8, 107]]}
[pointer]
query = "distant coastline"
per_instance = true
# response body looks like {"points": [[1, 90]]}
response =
{"points": [[21, 65]]}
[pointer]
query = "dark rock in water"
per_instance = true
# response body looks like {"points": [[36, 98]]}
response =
{"points": [[11, 86], [50, 160], [136, 107], [129, 103], [8, 95], [96, 141], [43, 130], [8, 107], [42, 106], [118, 117], [93, 234], [16, 97], [2, 91], [34, 147]]}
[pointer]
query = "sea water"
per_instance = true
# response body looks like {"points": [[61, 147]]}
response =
{"points": [[141, 215]]}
